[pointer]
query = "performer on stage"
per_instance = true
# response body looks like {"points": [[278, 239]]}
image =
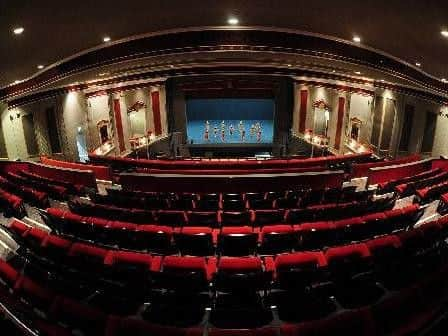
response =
{"points": [[223, 135], [215, 131], [252, 131], [231, 129], [243, 135], [241, 127], [207, 126], [206, 136]]}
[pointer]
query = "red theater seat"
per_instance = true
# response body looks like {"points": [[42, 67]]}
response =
{"points": [[237, 241], [277, 239], [55, 248], [241, 274], [87, 258], [174, 218], [296, 271], [195, 240], [202, 218], [18, 227], [266, 217], [346, 261], [153, 238], [317, 235], [234, 218], [186, 273]]}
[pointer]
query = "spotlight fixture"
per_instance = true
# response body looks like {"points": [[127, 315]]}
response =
{"points": [[106, 39], [418, 64], [40, 66], [444, 33], [289, 65], [18, 30], [356, 39], [358, 72], [233, 21]]}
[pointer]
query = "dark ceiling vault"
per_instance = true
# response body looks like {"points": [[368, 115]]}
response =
{"points": [[53, 29]]}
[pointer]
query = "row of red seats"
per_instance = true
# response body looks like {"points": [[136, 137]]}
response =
{"points": [[362, 169], [35, 197], [213, 218], [11, 204], [72, 188], [101, 172], [432, 192], [392, 185], [60, 306], [203, 270], [407, 189], [231, 240], [55, 191]]}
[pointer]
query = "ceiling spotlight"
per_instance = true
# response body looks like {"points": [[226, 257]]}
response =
{"points": [[233, 21], [444, 33], [418, 64], [289, 65], [333, 71], [358, 72], [40, 66], [356, 39], [18, 30], [106, 39]]}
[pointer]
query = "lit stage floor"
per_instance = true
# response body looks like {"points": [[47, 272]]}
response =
{"points": [[196, 132]]}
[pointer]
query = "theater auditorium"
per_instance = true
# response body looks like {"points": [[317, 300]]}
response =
{"points": [[252, 168]]}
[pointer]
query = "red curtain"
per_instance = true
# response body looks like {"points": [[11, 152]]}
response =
{"points": [[119, 124], [302, 112], [341, 108], [156, 112]]}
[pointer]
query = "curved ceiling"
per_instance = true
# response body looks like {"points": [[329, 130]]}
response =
{"points": [[409, 30]]}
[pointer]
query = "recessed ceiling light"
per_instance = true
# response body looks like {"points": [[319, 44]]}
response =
{"points": [[358, 72], [233, 21], [18, 30], [444, 33], [356, 39], [418, 64], [106, 39], [40, 66]]}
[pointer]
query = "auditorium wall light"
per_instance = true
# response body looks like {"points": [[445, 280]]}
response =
{"points": [[40, 66], [356, 39], [18, 30], [418, 64], [233, 21], [106, 39], [444, 33]]}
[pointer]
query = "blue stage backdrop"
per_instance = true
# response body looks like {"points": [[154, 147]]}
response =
{"points": [[228, 120]]}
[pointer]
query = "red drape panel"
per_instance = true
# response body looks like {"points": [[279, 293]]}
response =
{"points": [[156, 112], [302, 112], [341, 108], [119, 124]]}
